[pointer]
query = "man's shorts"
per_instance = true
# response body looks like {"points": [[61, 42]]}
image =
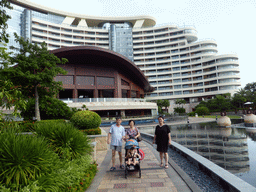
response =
{"points": [[116, 148]]}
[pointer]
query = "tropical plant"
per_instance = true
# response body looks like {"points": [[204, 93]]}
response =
{"points": [[10, 96], [50, 108], [202, 111], [66, 176], [3, 20], [161, 104], [23, 158], [191, 114], [67, 141], [179, 110], [76, 174], [180, 101], [34, 71], [86, 119]]}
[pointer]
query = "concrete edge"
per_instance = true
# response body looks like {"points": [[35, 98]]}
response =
{"points": [[102, 171], [222, 176]]}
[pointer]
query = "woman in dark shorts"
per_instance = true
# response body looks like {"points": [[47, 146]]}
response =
{"points": [[162, 138]]}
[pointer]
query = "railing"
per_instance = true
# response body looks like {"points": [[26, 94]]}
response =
{"points": [[81, 100]]}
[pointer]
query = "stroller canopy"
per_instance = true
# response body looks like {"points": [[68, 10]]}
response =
{"points": [[131, 143]]}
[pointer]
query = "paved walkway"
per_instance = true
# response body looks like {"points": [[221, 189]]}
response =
{"points": [[153, 177]]}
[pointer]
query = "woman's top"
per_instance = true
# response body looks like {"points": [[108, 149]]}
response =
{"points": [[132, 132]]}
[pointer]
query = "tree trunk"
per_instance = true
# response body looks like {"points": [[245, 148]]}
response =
{"points": [[37, 112]]}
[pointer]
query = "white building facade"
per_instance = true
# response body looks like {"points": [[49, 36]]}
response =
{"points": [[175, 62]]}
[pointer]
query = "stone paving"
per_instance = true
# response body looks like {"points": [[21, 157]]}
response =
{"points": [[153, 177]]}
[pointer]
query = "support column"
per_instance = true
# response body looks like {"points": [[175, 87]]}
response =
{"points": [[137, 94], [128, 93], [100, 93], [119, 87], [95, 93], [74, 94]]}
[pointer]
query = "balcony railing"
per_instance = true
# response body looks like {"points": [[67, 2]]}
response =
{"points": [[84, 100]]}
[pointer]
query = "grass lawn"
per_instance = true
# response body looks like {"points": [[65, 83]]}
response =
{"points": [[214, 116]]}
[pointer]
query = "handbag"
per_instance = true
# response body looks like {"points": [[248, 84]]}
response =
{"points": [[139, 138]]}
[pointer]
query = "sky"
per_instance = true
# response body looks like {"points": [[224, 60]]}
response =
{"points": [[230, 22]]}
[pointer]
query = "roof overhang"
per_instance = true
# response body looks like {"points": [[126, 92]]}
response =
{"points": [[107, 58], [92, 21]]}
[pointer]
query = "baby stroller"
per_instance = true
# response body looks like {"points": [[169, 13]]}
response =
{"points": [[129, 145]]}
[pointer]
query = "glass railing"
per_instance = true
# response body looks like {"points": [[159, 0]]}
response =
{"points": [[228, 67], [78, 100], [227, 74], [150, 72], [228, 87], [165, 94], [161, 77], [166, 82], [225, 60], [151, 78], [160, 89], [229, 81], [166, 65], [199, 85], [33, 30], [194, 48]]}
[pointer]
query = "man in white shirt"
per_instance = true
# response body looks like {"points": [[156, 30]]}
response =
{"points": [[116, 134]]}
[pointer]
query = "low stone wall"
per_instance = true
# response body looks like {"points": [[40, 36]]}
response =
{"points": [[99, 143], [101, 140]]}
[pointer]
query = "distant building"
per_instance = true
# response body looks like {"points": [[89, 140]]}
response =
{"points": [[175, 63]]}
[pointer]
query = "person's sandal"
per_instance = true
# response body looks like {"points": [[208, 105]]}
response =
{"points": [[166, 166], [112, 168], [161, 165], [121, 166]]}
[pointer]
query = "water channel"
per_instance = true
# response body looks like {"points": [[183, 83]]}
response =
{"points": [[233, 149]]}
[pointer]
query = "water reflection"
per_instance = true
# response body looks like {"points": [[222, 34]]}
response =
{"points": [[226, 147]]}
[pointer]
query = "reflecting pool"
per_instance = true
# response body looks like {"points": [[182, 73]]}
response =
{"points": [[233, 149]]}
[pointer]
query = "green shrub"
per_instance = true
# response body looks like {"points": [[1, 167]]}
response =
{"points": [[72, 175], [23, 158], [67, 141], [50, 108], [23, 126], [86, 120], [51, 121], [179, 110], [96, 131], [191, 114], [76, 174], [202, 111]]}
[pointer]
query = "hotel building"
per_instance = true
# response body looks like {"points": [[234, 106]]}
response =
{"points": [[175, 62]]}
